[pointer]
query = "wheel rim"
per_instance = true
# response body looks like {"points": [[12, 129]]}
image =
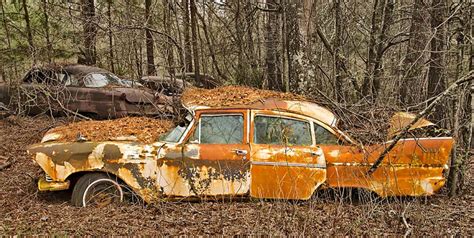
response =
{"points": [[102, 192]]}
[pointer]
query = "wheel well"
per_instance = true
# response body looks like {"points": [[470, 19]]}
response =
{"points": [[73, 178]]}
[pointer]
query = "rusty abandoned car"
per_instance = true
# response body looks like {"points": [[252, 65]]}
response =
{"points": [[86, 90], [277, 149]]}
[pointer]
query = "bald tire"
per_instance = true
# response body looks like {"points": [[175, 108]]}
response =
{"points": [[87, 182]]}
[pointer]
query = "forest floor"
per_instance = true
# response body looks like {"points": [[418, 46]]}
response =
{"points": [[24, 210]]}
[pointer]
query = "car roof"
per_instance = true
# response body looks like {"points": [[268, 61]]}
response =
{"points": [[82, 69], [308, 109]]}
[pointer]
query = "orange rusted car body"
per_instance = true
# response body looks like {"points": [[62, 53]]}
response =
{"points": [[188, 166]]}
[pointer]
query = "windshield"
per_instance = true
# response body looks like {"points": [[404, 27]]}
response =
{"points": [[98, 80], [174, 135]]}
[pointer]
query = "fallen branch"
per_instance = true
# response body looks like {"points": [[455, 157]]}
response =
{"points": [[404, 219], [8, 162], [468, 77]]}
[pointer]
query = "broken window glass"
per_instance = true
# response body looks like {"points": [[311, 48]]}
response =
{"points": [[281, 131]]}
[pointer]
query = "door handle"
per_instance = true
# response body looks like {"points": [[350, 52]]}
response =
{"points": [[316, 153], [240, 152]]}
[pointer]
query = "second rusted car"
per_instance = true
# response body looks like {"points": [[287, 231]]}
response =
{"points": [[85, 90], [271, 149]]}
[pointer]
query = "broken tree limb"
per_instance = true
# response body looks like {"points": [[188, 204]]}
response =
{"points": [[8, 162], [468, 77]]}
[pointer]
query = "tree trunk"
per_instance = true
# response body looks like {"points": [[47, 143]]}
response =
{"points": [[7, 34], [211, 47], [167, 25], [109, 33], [272, 58], [188, 60], [338, 70], [285, 48], [90, 32], [382, 17], [413, 62], [462, 130], [239, 36], [29, 34], [195, 40], [436, 72], [49, 46], [150, 56]]}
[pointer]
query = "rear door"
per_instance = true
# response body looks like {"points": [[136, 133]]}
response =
{"points": [[285, 161]]}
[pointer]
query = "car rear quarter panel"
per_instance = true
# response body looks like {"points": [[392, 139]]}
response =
{"points": [[413, 168]]}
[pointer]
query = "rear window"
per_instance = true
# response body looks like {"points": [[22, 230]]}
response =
{"points": [[324, 137], [281, 131]]}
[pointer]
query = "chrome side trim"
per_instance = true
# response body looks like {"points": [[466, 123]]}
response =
{"points": [[264, 163], [389, 165]]}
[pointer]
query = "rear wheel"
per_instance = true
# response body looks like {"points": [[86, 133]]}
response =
{"points": [[97, 190]]}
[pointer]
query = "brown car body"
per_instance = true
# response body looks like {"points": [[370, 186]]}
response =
{"points": [[188, 167], [87, 90]]}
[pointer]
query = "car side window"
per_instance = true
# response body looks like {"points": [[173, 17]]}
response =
{"points": [[219, 129], [95, 80], [281, 131], [324, 137]]}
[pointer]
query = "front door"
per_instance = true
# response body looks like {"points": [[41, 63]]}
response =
{"points": [[285, 162], [215, 155]]}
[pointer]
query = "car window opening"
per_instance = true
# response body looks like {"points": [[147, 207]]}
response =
{"points": [[281, 131]]}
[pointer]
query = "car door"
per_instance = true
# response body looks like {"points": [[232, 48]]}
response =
{"points": [[285, 162], [215, 155]]}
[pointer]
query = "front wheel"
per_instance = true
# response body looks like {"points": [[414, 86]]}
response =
{"points": [[97, 190]]}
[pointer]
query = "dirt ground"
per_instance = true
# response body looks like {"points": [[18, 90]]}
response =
{"points": [[24, 210]]}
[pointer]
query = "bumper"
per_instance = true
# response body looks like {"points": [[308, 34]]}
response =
{"points": [[44, 185]]}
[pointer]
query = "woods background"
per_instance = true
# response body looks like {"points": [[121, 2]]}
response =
{"points": [[361, 56]]}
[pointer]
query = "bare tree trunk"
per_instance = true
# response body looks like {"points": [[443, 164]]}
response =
{"points": [[382, 16], [7, 34], [285, 46], [414, 60], [211, 47], [239, 41], [462, 130], [195, 39], [436, 72], [90, 32], [109, 33], [49, 46], [150, 56], [188, 60], [272, 58], [338, 70], [167, 25], [29, 34]]}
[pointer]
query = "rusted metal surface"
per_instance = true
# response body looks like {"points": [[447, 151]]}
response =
{"points": [[87, 90], [44, 185], [188, 168]]}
